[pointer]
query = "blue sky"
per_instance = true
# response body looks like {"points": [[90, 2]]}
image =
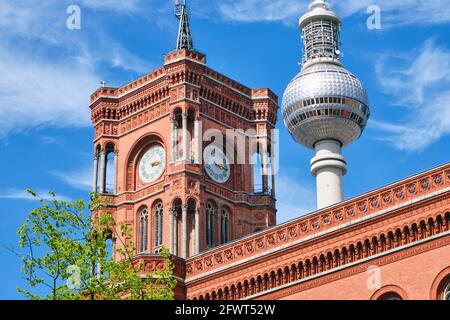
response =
{"points": [[48, 72]]}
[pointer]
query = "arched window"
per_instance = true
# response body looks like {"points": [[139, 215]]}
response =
{"points": [[269, 172], [110, 179], [224, 226], [158, 226], [190, 153], [447, 292], [97, 166], [143, 228], [210, 213], [257, 173], [390, 296]]}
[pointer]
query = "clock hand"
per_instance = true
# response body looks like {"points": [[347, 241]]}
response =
{"points": [[221, 166], [155, 164]]}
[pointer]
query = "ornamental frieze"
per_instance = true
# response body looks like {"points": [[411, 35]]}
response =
{"points": [[249, 247], [425, 184], [281, 235], [374, 202], [193, 187], [387, 198], [282, 261], [356, 269], [396, 194], [362, 206], [338, 215], [350, 211], [128, 197], [326, 219], [292, 232], [399, 193], [229, 254], [199, 265], [239, 251], [412, 189], [270, 239], [260, 243], [304, 227], [438, 180], [208, 262], [144, 117], [153, 266]]}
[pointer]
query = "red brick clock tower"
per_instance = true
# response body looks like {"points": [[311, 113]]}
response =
{"points": [[159, 162]]}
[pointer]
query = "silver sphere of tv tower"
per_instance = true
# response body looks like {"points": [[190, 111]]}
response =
{"points": [[325, 107]]}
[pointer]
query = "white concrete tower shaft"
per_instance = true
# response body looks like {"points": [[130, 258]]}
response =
{"points": [[329, 167]]}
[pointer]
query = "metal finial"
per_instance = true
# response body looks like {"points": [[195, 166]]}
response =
{"points": [[184, 39], [319, 4]]}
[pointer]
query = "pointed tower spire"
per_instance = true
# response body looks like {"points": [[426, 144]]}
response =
{"points": [[184, 40]]}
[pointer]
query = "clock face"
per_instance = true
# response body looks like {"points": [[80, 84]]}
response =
{"points": [[216, 164], [152, 164]]}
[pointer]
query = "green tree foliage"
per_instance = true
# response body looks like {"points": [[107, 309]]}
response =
{"points": [[67, 253]]}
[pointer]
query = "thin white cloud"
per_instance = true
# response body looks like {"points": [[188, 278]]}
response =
{"points": [[51, 70], [124, 6], [420, 85], [294, 198], [262, 10], [36, 93], [403, 12], [394, 12], [49, 140], [48, 71], [81, 179], [22, 194], [78, 179]]}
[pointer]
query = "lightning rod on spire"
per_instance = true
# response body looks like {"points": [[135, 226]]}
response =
{"points": [[184, 39]]}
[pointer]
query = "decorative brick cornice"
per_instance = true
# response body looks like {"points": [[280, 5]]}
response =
{"points": [[135, 196], [130, 87], [179, 55], [356, 268], [184, 77], [152, 263], [239, 197], [378, 202]]}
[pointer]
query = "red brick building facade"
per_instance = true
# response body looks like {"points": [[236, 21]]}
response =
{"points": [[218, 218], [402, 229]]}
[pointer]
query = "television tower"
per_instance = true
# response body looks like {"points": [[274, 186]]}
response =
{"points": [[325, 107], [184, 39]]}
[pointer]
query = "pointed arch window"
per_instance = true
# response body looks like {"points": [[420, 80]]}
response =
{"points": [[159, 209], [210, 234], [143, 229], [224, 226]]}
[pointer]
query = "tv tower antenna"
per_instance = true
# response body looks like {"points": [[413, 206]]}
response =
{"points": [[184, 39]]}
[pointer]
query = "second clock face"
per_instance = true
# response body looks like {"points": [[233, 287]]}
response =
{"points": [[216, 164], [152, 164]]}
